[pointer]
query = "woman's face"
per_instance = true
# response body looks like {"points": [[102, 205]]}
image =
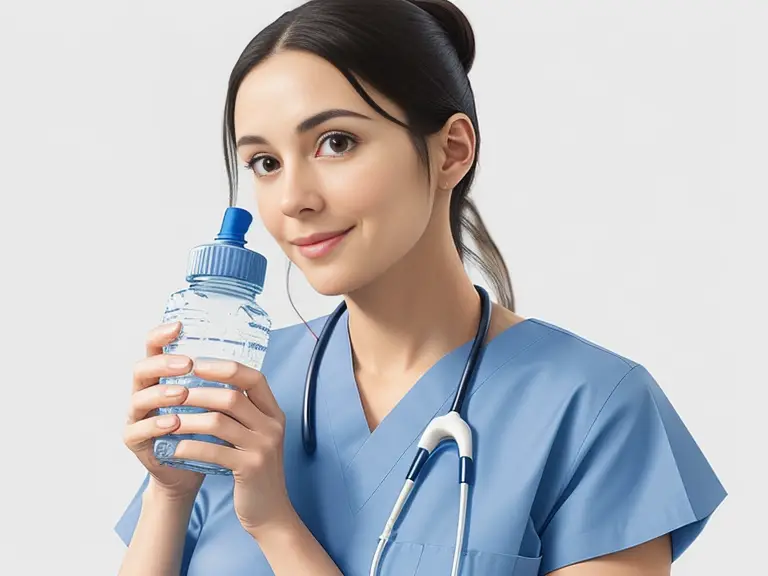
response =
{"points": [[340, 187]]}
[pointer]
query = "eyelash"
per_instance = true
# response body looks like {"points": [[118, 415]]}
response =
{"points": [[355, 141]]}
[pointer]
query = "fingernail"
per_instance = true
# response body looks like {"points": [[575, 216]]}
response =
{"points": [[177, 363], [205, 365], [170, 327], [166, 421], [174, 390]]}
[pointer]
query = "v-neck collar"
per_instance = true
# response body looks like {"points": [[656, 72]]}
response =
{"points": [[366, 458]]}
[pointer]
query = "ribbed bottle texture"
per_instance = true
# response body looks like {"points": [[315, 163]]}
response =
{"points": [[220, 319]]}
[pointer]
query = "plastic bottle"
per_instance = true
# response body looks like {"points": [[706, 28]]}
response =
{"points": [[219, 319]]}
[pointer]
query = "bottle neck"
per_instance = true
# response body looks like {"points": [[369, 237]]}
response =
{"points": [[226, 286]]}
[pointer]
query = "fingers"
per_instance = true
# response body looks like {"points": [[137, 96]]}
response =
{"points": [[148, 399], [219, 425], [232, 403], [148, 371], [264, 452], [138, 433], [200, 451], [247, 379], [161, 336]]}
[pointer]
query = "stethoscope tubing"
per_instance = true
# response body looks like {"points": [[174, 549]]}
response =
{"points": [[449, 426]]}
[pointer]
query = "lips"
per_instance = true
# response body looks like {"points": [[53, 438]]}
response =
{"points": [[320, 244], [319, 237]]}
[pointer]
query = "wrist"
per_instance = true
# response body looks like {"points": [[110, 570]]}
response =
{"points": [[158, 494], [290, 547], [282, 531]]}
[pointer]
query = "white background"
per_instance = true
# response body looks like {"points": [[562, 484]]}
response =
{"points": [[623, 174]]}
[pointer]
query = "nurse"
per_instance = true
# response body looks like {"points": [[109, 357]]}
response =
{"points": [[357, 123]]}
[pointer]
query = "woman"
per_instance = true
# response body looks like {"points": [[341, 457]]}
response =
{"points": [[358, 124]]}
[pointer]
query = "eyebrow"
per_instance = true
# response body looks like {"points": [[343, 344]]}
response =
{"points": [[306, 125]]}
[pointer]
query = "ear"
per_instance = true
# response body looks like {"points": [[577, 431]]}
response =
{"points": [[456, 143]]}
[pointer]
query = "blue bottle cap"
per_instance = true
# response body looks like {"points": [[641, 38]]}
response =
{"points": [[227, 256]]}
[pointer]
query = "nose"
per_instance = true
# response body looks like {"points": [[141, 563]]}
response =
{"points": [[301, 192]]}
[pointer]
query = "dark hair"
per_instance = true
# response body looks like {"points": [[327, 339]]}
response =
{"points": [[416, 52]]}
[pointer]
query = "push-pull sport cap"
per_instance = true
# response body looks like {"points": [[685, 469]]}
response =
{"points": [[227, 256]]}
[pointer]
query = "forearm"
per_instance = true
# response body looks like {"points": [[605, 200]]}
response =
{"points": [[158, 541], [292, 549]]}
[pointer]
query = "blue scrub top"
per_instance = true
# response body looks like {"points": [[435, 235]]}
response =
{"points": [[578, 454]]}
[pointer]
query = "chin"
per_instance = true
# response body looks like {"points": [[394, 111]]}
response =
{"points": [[332, 280], [329, 285]]}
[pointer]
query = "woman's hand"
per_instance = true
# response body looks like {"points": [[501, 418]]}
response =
{"points": [[148, 395], [250, 419]]}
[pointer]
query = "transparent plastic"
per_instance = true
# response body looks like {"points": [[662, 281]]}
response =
{"points": [[220, 319]]}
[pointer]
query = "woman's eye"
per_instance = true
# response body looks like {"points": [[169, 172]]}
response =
{"points": [[336, 145], [263, 165]]}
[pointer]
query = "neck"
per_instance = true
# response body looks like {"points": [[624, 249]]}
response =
{"points": [[421, 309]]}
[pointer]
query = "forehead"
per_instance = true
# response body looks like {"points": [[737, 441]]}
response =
{"points": [[289, 86]]}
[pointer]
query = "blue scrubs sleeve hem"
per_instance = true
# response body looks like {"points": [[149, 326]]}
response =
{"points": [[126, 525], [124, 531], [639, 475], [590, 545]]}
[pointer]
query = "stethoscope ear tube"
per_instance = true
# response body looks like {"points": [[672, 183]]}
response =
{"points": [[474, 353], [308, 436]]}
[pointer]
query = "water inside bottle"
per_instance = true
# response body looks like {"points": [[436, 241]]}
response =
{"points": [[215, 325]]}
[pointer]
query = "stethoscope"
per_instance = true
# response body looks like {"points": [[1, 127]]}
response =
{"points": [[450, 426]]}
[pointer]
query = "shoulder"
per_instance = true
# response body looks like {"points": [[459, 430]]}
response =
{"points": [[561, 386], [614, 452], [596, 379], [562, 364], [576, 350]]}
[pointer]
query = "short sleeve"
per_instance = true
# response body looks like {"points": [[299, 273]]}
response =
{"points": [[127, 524], [638, 475]]}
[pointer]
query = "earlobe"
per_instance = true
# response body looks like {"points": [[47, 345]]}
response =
{"points": [[458, 150]]}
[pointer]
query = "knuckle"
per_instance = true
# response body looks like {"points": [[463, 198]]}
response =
{"points": [[255, 462], [232, 399], [261, 381], [138, 367], [216, 420], [229, 368], [128, 435], [139, 396], [271, 444], [276, 432], [134, 407]]}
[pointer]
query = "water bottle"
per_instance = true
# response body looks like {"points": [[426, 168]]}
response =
{"points": [[220, 319]]}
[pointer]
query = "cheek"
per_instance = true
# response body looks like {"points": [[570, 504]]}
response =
{"points": [[376, 187], [390, 203], [356, 189]]}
